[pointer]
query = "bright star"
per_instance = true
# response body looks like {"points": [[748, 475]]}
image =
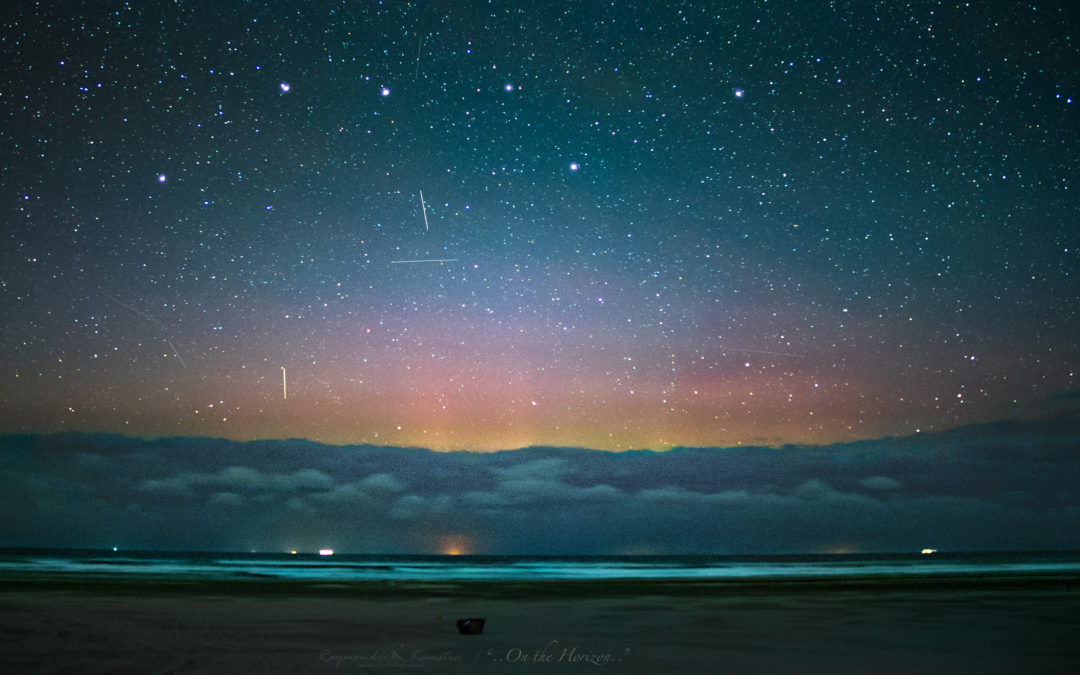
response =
{"points": [[739, 93], [508, 87], [161, 178], [385, 91], [285, 87], [574, 166]]}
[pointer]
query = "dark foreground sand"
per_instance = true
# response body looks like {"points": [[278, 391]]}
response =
{"points": [[995, 626]]}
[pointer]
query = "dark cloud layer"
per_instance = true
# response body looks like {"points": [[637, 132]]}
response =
{"points": [[1008, 485]]}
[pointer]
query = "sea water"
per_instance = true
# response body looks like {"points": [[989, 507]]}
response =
{"points": [[433, 568]]}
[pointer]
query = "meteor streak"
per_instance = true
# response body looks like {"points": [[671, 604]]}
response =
{"points": [[161, 326], [175, 352], [762, 351]]}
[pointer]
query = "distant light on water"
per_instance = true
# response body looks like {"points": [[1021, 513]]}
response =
{"points": [[929, 551], [456, 563], [455, 545], [326, 551]]}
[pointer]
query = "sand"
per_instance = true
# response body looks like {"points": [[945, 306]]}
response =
{"points": [[943, 627]]}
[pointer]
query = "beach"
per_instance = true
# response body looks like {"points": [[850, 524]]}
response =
{"points": [[995, 625]]}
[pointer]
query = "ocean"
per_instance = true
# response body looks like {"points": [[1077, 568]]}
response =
{"points": [[142, 611], [342, 568]]}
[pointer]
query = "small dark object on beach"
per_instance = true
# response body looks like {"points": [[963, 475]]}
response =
{"points": [[470, 626]]}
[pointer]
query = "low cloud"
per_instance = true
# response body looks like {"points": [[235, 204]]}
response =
{"points": [[227, 499], [880, 484], [1005, 486], [240, 479]]}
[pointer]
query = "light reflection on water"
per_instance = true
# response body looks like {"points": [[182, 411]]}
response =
{"points": [[312, 567]]}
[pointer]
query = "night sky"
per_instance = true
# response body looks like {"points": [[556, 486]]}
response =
{"points": [[643, 225]]}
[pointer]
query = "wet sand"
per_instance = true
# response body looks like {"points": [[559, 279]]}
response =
{"points": [[888, 626]]}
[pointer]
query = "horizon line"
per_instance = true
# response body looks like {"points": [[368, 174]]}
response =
{"points": [[549, 446]]}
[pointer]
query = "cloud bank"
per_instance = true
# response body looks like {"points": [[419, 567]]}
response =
{"points": [[1003, 486]]}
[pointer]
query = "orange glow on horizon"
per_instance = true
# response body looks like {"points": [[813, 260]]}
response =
{"points": [[842, 549], [468, 404], [455, 544]]}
